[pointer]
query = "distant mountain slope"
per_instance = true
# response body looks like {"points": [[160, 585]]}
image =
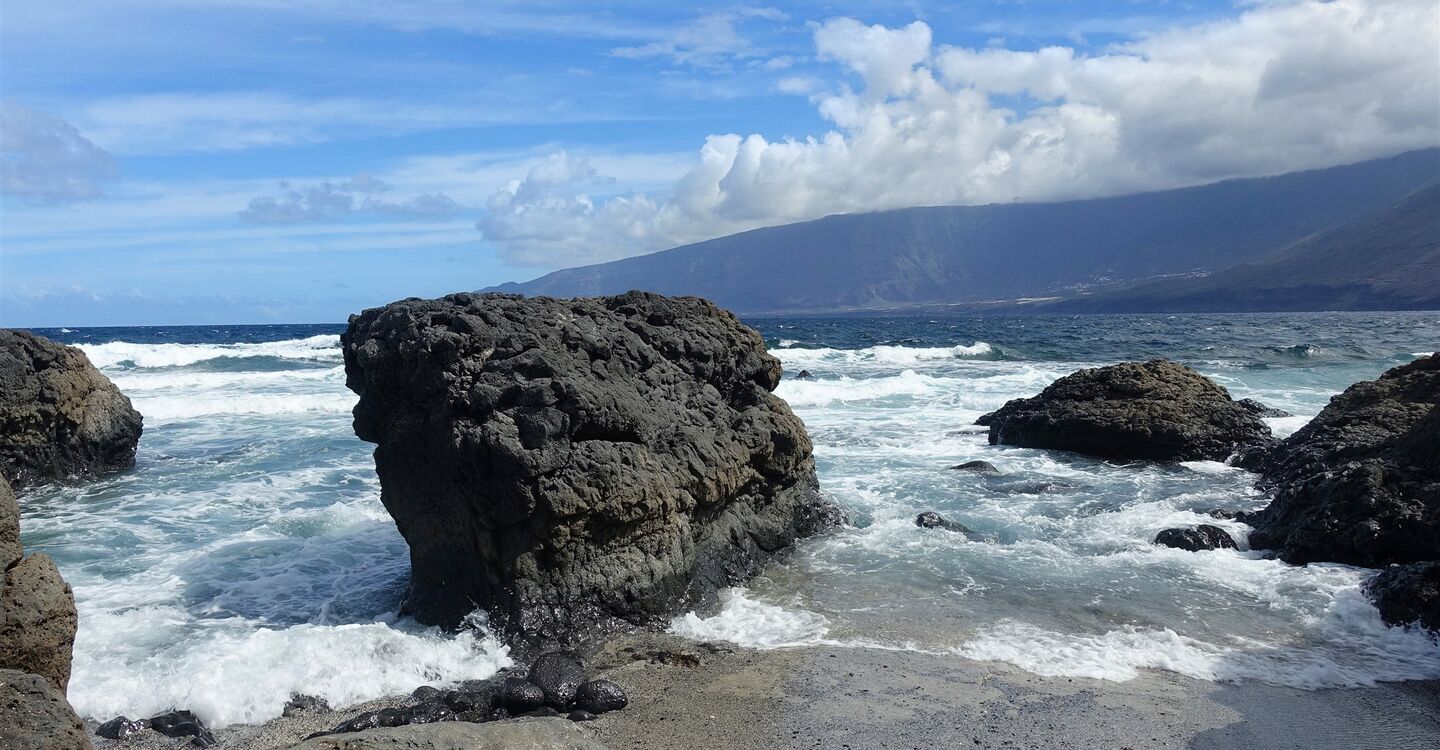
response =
{"points": [[1387, 260], [967, 254]]}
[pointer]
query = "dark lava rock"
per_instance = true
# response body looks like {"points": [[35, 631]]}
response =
{"points": [[37, 608], [121, 727], [431, 712], [543, 712], [1261, 410], [1360, 484], [499, 713], [520, 696], [1196, 538], [581, 715], [1224, 514], [559, 676], [59, 417], [932, 520], [577, 467], [35, 716], [600, 696], [1408, 595], [426, 693], [468, 700], [183, 724], [979, 467], [358, 723], [1156, 410], [804, 375], [305, 704]]}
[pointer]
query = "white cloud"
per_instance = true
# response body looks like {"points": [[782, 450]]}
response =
{"points": [[331, 200], [1281, 87], [711, 40], [43, 158]]}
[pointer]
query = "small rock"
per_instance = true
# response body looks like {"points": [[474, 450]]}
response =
{"points": [[932, 520], [360, 723], [804, 375], [499, 713], [1197, 538], [183, 724], [978, 467], [559, 675], [392, 717], [599, 696], [121, 727], [300, 703], [426, 693], [466, 700], [543, 712], [1261, 410], [473, 717], [581, 715], [428, 712], [520, 696]]}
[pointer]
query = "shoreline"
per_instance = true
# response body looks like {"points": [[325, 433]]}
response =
{"points": [[688, 694]]}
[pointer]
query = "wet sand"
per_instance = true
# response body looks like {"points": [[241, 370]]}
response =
{"points": [[685, 695]]}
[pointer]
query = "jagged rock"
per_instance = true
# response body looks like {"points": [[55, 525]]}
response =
{"points": [[183, 723], [978, 467], [1156, 410], [600, 696], [526, 734], [559, 676], [1261, 410], [59, 416], [305, 704], [1360, 484], [35, 716], [578, 467], [1408, 595], [1196, 538], [932, 520], [426, 693], [121, 727], [37, 608]]}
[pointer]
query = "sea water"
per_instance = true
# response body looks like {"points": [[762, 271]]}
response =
{"points": [[247, 555]]}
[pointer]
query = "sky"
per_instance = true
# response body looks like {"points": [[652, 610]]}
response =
{"points": [[168, 162]]}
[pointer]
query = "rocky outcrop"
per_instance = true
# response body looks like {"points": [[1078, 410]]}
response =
{"points": [[35, 716], [1196, 538], [37, 608], [1408, 595], [1360, 483], [932, 520], [1156, 410], [526, 734], [580, 466], [59, 416]]}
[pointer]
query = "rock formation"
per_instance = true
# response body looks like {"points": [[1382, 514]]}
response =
{"points": [[1408, 594], [578, 466], [35, 716], [37, 608], [59, 417], [1156, 410], [1196, 538], [1360, 483]]}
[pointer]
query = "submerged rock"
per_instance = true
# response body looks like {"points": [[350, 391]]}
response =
{"points": [[932, 520], [1408, 595], [577, 467], [600, 696], [300, 703], [35, 716], [1196, 538], [1156, 410], [1360, 484], [59, 416], [37, 607], [978, 467]]}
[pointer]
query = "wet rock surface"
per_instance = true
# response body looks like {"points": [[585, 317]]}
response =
{"points": [[1408, 595], [35, 716], [122, 727], [976, 467], [59, 416], [578, 467], [932, 520], [1156, 410], [1360, 484], [600, 696], [1261, 410], [183, 723], [37, 607], [522, 734], [1196, 538]]}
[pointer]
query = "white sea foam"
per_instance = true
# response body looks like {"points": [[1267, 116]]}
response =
{"points": [[754, 624], [177, 407], [824, 392], [243, 674], [881, 355], [119, 354]]}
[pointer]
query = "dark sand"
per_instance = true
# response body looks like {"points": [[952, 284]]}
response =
{"points": [[707, 697]]}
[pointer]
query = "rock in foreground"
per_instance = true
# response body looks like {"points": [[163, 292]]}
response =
{"points": [[1408, 595], [35, 716], [59, 416], [37, 608], [1360, 484], [578, 466], [520, 734], [1156, 410]]}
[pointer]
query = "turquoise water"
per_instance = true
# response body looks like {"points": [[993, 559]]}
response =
{"points": [[247, 554]]}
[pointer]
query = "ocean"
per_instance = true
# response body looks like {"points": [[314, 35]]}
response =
{"points": [[247, 554]]}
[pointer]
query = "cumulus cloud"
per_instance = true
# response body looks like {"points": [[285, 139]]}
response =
{"points": [[331, 200], [45, 159], [1282, 86]]}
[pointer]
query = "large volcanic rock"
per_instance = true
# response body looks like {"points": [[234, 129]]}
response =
{"points": [[35, 716], [1408, 594], [1156, 410], [578, 466], [1360, 483], [37, 608], [59, 417]]}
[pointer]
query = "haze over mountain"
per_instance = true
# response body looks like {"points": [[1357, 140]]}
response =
{"points": [[1311, 223]]}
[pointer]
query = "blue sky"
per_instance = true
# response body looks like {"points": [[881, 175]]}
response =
{"points": [[173, 161]]}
